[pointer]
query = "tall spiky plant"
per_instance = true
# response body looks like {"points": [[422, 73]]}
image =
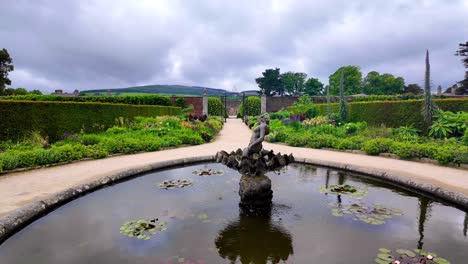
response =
{"points": [[343, 108], [429, 108], [328, 100]]}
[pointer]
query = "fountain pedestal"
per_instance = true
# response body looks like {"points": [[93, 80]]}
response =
{"points": [[255, 191]]}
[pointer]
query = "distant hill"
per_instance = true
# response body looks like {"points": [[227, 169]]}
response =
{"points": [[162, 89]]}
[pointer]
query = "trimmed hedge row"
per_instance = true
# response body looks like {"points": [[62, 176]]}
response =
{"points": [[127, 99], [18, 118], [394, 113]]}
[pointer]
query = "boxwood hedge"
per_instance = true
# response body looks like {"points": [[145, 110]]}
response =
{"points": [[395, 113], [126, 99], [56, 118]]}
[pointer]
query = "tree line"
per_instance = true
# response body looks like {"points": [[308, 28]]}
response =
{"points": [[273, 82]]}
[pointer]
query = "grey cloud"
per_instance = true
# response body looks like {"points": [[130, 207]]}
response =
{"points": [[99, 44]]}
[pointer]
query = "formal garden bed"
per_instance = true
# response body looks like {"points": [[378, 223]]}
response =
{"points": [[126, 136], [306, 125]]}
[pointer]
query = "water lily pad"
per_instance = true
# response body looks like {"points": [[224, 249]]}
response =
{"points": [[344, 189], [142, 229], [208, 172], [170, 184], [369, 214], [406, 256], [384, 250], [407, 252], [381, 261]]}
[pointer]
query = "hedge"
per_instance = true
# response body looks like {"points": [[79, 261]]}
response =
{"points": [[128, 99], [18, 118], [395, 113], [215, 107], [252, 106]]}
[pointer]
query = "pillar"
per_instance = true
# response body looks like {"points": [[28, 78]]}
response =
{"points": [[205, 102], [263, 102]]}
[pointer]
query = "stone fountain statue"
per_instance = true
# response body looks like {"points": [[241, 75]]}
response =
{"points": [[253, 162]]}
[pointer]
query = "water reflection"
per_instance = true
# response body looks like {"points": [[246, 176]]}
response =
{"points": [[424, 212], [254, 238], [465, 224]]}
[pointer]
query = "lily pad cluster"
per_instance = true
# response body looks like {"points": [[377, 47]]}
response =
{"points": [[142, 229], [170, 184], [407, 256], [344, 189], [371, 214], [208, 172]]}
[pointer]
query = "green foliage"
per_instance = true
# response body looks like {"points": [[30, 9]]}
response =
{"points": [[271, 82], [313, 87], [377, 146], [283, 114], [56, 118], [128, 99], [343, 107], [352, 80], [180, 102], [413, 89], [215, 107], [252, 106], [6, 66], [448, 124], [304, 106], [406, 133], [440, 129], [293, 82], [395, 113], [374, 83], [145, 134]]}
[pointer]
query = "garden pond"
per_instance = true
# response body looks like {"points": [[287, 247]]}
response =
{"points": [[191, 215]]}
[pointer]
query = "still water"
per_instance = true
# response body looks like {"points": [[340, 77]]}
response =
{"points": [[205, 224]]}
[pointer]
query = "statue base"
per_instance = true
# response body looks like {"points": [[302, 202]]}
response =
{"points": [[255, 164], [255, 191]]}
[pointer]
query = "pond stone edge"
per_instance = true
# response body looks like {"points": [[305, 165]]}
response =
{"points": [[21, 217]]}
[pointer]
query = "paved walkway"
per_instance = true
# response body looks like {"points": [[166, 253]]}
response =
{"points": [[18, 189]]}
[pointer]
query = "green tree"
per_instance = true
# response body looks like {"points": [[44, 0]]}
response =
{"points": [[293, 82], [271, 82], [21, 91], [413, 89], [352, 81], [374, 83], [343, 107], [313, 87], [36, 92], [6, 66], [463, 52]]}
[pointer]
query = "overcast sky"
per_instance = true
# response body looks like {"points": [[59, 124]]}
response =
{"points": [[83, 44]]}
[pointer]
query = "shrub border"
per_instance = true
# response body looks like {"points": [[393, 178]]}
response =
{"points": [[21, 217]]}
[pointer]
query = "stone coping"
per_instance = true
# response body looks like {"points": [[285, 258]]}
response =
{"points": [[18, 219]]}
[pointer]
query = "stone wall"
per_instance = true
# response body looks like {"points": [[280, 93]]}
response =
{"points": [[196, 101]]}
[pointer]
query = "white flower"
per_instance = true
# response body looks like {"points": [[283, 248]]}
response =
{"points": [[430, 257], [396, 262]]}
